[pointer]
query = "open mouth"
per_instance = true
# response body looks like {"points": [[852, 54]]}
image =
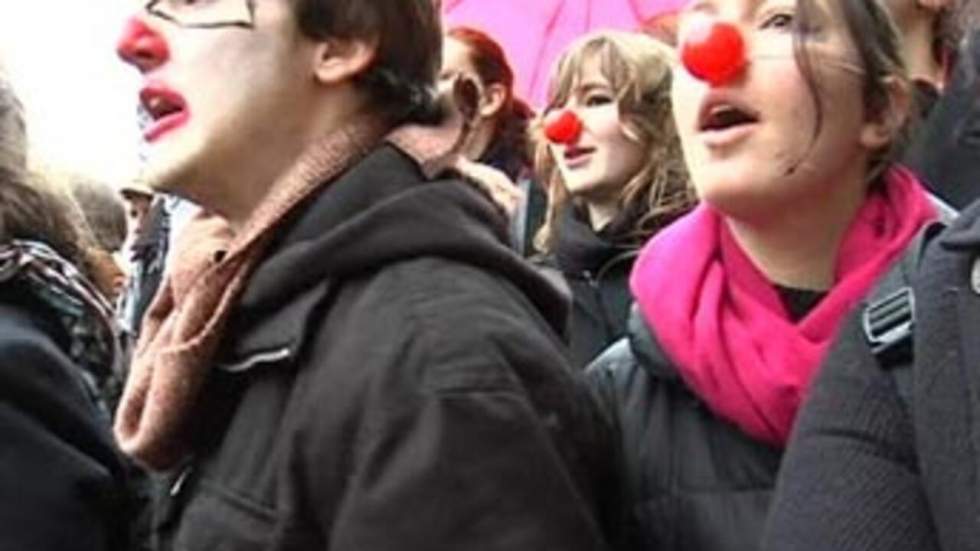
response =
{"points": [[725, 116], [161, 111], [574, 153]]}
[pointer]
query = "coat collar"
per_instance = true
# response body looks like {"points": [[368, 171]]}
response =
{"points": [[964, 232], [271, 332], [947, 382], [646, 349]]}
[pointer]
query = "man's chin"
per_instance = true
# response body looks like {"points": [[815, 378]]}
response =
{"points": [[168, 176]]}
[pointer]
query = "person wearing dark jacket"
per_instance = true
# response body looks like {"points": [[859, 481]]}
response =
{"points": [[885, 452], [345, 353], [595, 266], [63, 482], [610, 156], [737, 302]]}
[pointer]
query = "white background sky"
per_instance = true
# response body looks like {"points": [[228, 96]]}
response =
{"points": [[80, 99]]}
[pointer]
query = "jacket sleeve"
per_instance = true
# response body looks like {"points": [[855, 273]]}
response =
{"points": [[59, 469], [483, 447], [849, 479], [610, 376]]}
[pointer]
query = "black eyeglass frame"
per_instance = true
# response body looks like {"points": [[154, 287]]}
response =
{"points": [[152, 9]]}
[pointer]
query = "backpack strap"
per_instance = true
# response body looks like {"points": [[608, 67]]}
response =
{"points": [[888, 319]]}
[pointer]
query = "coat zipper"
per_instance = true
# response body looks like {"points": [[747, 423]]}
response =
{"points": [[181, 480]]}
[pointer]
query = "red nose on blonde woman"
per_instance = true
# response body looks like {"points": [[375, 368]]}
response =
{"points": [[563, 127]]}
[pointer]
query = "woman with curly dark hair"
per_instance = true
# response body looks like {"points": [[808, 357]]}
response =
{"points": [[62, 480]]}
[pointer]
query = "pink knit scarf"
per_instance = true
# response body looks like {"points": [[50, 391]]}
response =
{"points": [[724, 326]]}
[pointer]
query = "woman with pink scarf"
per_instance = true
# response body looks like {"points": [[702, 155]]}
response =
{"points": [[788, 112]]}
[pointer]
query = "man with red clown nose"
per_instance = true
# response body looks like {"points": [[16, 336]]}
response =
{"points": [[345, 354]]}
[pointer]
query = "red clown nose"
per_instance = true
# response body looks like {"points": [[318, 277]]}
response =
{"points": [[142, 46], [713, 51], [563, 127]]}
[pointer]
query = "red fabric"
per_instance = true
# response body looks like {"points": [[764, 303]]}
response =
{"points": [[723, 324]]}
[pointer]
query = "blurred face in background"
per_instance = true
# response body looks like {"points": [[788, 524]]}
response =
{"points": [[137, 208], [918, 24], [457, 63]]}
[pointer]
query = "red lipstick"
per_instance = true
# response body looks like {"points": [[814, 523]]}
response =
{"points": [[166, 108]]}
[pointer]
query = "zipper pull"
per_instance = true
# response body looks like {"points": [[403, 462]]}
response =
{"points": [[178, 484]]}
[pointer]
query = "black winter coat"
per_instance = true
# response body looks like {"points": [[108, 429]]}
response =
{"points": [[871, 467], [596, 268], [693, 481], [390, 380], [62, 482]]}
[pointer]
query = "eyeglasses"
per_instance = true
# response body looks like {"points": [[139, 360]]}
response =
{"points": [[205, 14]]}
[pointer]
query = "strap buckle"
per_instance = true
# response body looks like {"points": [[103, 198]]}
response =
{"points": [[888, 322]]}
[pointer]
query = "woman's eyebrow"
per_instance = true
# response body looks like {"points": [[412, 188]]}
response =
{"points": [[700, 6], [592, 85], [778, 3], [587, 88]]}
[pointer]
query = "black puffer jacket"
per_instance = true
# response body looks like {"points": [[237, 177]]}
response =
{"points": [[693, 481], [62, 482], [596, 268], [390, 380]]}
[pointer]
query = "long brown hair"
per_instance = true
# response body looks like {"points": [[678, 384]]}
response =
{"points": [[637, 68]]}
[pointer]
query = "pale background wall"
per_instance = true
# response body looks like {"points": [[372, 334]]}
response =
{"points": [[79, 98]]}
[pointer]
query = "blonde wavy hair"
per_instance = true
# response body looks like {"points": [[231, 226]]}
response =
{"points": [[638, 69]]}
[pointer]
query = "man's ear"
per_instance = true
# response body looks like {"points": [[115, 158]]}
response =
{"points": [[493, 99], [338, 61], [884, 126]]}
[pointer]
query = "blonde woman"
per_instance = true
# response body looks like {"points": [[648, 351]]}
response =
{"points": [[612, 164]]}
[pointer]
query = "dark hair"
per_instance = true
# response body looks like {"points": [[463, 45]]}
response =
{"points": [[952, 26], [401, 81], [877, 42], [510, 133], [103, 212], [28, 211]]}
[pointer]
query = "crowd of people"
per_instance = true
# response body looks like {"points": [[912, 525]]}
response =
{"points": [[720, 293]]}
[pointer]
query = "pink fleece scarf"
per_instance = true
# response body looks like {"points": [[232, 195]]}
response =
{"points": [[724, 325]]}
